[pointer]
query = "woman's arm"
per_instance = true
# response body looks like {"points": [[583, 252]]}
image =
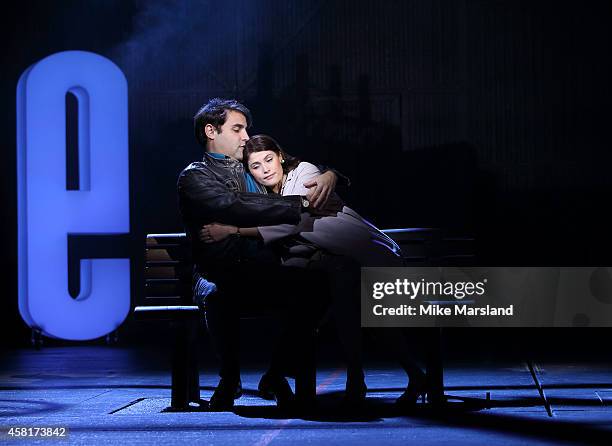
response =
{"points": [[215, 232], [297, 184], [305, 173], [303, 176], [248, 232]]}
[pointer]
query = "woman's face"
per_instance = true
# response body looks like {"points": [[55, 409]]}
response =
{"points": [[266, 168]]}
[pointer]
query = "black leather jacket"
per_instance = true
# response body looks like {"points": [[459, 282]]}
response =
{"points": [[213, 190]]}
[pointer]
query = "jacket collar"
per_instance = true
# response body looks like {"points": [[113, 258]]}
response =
{"points": [[218, 159]]}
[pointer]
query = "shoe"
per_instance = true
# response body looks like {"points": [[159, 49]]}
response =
{"points": [[417, 387], [224, 395], [274, 387]]}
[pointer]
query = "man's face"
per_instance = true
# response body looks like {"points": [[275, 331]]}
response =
{"points": [[231, 137]]}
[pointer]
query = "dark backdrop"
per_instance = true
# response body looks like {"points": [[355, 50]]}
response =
{"points": [[487, 117]]}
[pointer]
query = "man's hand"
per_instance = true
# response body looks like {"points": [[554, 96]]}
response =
{"points": [[332, 207], [216, 232], [321, 188]]}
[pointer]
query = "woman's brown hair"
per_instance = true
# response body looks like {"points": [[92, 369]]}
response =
{"points": [[261, 143]]}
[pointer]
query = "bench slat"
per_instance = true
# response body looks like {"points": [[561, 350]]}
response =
{"points": [[167, 312], [163, 272], [166, 289], [144, 308]]}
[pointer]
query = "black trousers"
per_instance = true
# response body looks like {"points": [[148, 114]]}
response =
{"points": [[296, 296]]}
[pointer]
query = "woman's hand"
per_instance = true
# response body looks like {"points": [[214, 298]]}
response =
{"points": [[215, 232]]}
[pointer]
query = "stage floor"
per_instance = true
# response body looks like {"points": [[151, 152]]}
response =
{"points": [[111, 395]]}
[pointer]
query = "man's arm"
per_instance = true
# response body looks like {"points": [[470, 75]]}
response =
{"points": [[304, 175], [322, 186], [204, 199], [341, 179]]}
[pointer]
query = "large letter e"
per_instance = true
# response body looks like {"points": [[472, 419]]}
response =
{"points": [[49, 213]]}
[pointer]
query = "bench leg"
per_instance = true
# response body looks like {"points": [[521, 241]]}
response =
{"points": [[435, 371], [306, 376], [193, 371], [185, 374]]}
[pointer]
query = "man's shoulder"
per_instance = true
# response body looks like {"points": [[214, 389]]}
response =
{"points": [[194, 172], [196, 166]]}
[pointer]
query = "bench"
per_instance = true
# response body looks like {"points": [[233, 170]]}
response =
{"points": [[168, 296]]}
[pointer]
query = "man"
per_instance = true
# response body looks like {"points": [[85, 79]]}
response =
{"points": [[217, 189]]}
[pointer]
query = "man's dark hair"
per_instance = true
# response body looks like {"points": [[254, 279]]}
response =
{"points": [[214, 112]]}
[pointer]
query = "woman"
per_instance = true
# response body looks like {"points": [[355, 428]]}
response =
{"points": [[338, 241]]}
